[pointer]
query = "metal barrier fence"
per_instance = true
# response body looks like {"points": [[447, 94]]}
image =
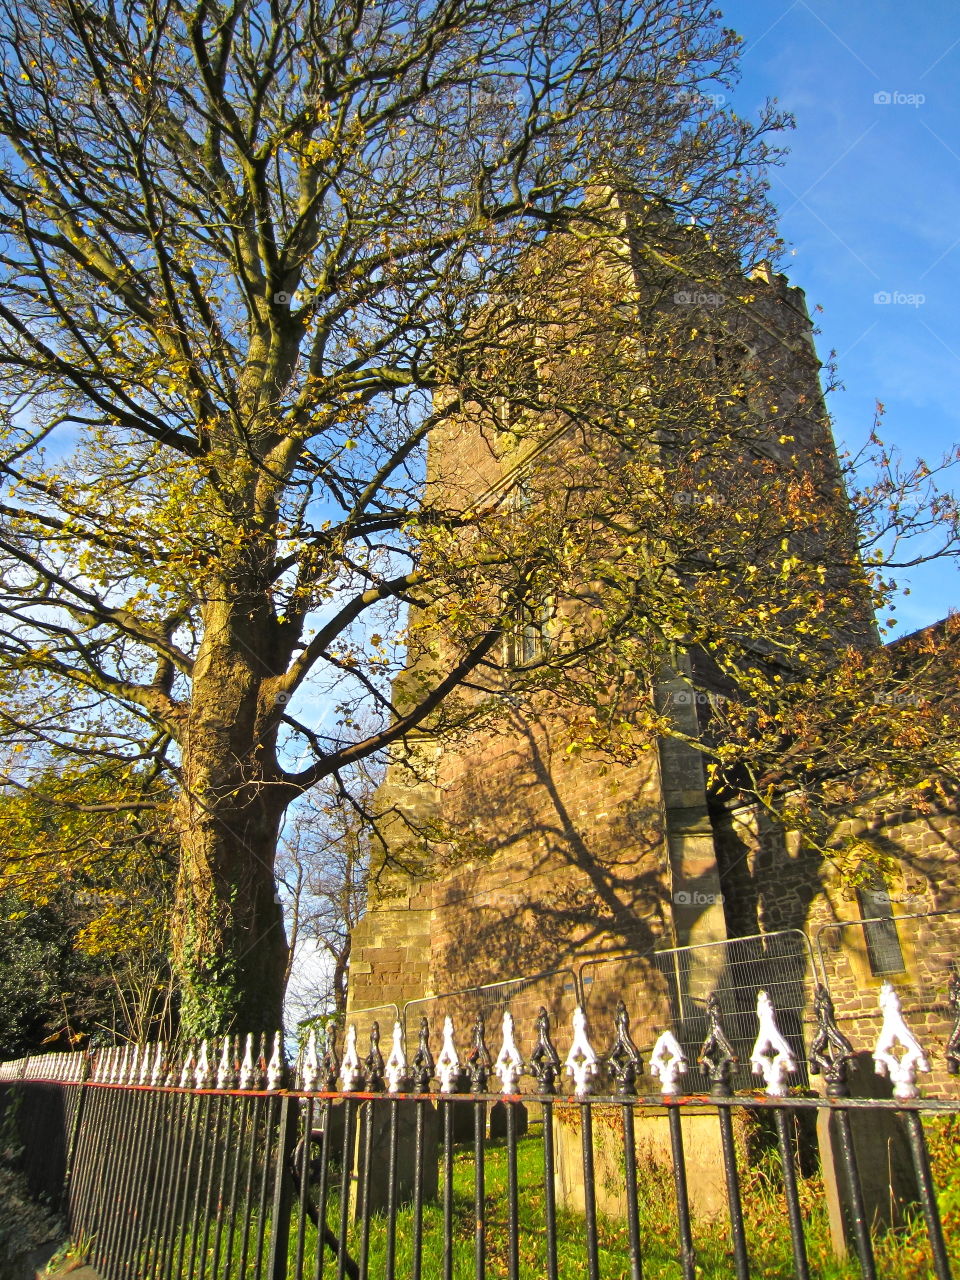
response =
{"points": [[915, 950], [556, 990], [661, 988], [184, 1181], [670, 988]]}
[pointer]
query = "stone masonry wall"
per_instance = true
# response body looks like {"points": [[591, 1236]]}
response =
{"points": [[524, 857], [550, 858], [770, 883]]}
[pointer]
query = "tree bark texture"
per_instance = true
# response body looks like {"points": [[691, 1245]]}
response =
{"points": [[230, 944]]}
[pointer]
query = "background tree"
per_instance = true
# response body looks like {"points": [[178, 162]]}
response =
{"points": [[86, 877], [242, 246], [323, 870]]}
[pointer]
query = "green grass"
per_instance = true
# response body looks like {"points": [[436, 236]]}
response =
{"points": [[613, 1240], [901, 1255]]}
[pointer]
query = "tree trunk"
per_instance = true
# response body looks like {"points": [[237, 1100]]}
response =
{"points": [[230, 948]]}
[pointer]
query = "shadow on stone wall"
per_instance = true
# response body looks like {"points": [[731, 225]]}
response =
{"points": [[561, 881]]}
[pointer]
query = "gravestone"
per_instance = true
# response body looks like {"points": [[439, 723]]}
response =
{"points": [[882, 1149], [372, 1195]]}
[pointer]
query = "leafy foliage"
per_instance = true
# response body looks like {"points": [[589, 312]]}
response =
{"points": [[85, 882]]}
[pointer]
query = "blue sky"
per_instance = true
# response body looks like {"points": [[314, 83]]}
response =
{"points": [[870, 205]]}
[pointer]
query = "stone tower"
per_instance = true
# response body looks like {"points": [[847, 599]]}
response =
{"points": [[560, 857]]}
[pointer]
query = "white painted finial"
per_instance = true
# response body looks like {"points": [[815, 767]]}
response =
{"points": [[132, 1064], [246, 1066], [144, 1077], [225, 1071], [189, 1066], [772, 1057], [310, 1063], [448, 1063], [668, 1062], [582, 1062], [203, 1074], [894, 1031], [351, 1069], [156, 1075], [509, 1063], [275, 1065], [396, 1069]]}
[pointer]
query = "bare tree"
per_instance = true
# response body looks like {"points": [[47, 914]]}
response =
{"points": [[241, 246], [323, 868]]}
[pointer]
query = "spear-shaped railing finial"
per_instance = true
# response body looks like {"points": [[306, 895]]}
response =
{"points": [[668, 1062], [509, 1064], [895, 1033], [582, 1063]]}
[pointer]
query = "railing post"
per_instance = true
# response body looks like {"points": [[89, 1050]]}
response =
{"points": [[74, 1137], [687, 1254], [283, 1188], [859, 1224], [734, 1207], [928, 1195]]}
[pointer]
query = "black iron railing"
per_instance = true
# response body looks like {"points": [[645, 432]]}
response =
{"points": [[170, 1181]]}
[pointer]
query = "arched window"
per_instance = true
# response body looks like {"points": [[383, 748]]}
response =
{"points": [[884, 952], [528, 640]]}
